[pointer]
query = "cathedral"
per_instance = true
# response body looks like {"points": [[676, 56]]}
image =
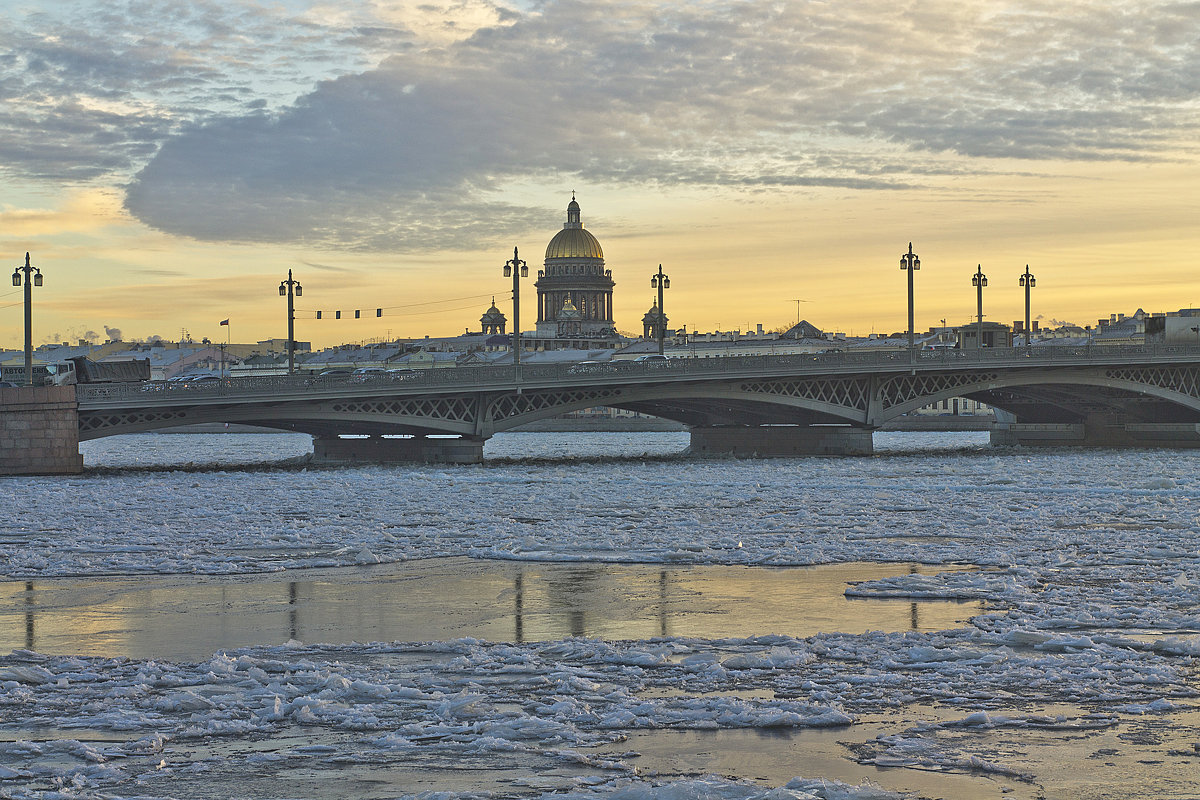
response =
{"points": [[574, 291], [574, 296]]}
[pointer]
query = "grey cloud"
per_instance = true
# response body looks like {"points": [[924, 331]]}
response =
{"points": [[326, 267], [409, 155], [158, 272], [756, 94], [90, 89]]}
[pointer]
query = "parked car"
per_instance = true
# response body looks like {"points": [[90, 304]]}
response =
{"points": [[7, 385], [653, 359], [334, 373], [367, 373]]}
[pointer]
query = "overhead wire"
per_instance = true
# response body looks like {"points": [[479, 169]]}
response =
{"points": [[381, 309]]}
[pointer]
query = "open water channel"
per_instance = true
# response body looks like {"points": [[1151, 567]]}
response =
{"points": [[596, 615]]}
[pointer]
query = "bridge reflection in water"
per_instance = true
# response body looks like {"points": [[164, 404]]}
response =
{"points": [[445, 599]]}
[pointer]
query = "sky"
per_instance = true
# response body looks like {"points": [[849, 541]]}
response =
{"points": [[166, 163]]}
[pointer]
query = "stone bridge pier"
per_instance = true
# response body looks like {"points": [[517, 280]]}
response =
{"points": [[376, 449], [777, 441], [1095, 431], [39, 431]]}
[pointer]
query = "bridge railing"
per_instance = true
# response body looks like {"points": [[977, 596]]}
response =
{"points": [[612, 371]]}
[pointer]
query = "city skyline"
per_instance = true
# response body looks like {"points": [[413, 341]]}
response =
{"points": [[167, 163]]}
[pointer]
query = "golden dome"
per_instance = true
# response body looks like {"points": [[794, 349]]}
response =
{"points": [[574, 243]]}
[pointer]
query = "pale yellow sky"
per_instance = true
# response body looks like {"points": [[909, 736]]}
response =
{"points": [[759, 164]]}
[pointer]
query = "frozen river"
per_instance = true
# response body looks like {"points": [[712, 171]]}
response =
{"points": [[595, 616]]}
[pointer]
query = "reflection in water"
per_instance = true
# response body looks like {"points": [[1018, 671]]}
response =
{"points": [[572, 591], [293, 612], [445, 599], [915, 623], [29, 615], [662, 603], [519, 608]]}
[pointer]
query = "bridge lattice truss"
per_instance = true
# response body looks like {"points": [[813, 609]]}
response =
{"points": [[867, 400]]}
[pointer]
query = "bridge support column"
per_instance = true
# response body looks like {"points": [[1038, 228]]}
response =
{"points": [[378, 450], [1097, 433], [39, 431], [775, 441]]}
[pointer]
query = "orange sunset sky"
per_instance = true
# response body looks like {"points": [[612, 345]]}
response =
{"points": [[166, 163]]}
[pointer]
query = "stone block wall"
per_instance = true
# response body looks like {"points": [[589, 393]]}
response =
{"points": [[39, 431]]}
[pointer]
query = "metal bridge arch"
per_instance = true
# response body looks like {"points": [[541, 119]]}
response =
{"points": [[1177, 386], [724, 402], [409, 415]]}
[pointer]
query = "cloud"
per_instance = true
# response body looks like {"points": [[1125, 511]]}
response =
{"points": [[327, 267], [715, 94], [91, 89], [414, 153], [154, 272]]}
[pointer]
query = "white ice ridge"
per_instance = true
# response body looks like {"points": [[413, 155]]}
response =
{"points": [[1045, 512]]}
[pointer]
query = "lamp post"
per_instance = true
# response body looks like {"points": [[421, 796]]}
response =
{"points": [[910, 263], [30, 282], [979, 280], [1027, 280], [660, 282], [517, 269], [291, 289]]}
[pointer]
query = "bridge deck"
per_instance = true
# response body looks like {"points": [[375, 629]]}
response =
{"points": [[529, 377]]}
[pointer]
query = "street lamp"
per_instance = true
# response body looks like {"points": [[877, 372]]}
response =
{"points": [[1027, 280], [291, 289], [910, 263], [517, 269], [979, 280], [660, 282], [30, 282]]}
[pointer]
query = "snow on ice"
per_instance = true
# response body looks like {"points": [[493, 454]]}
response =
{"points": [[1089, 564]]}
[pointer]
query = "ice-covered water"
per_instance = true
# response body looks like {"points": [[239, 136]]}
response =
{"points": [[1079, 679]]}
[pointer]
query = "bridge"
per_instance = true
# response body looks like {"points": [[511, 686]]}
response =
{"points": [[827, 403]]}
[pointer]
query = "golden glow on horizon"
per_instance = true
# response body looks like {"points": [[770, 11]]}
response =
{"points": [[387, 123], [1099, 239]]}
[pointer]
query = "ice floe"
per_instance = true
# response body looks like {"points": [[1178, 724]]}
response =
{"points": [[1088, 563]]}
